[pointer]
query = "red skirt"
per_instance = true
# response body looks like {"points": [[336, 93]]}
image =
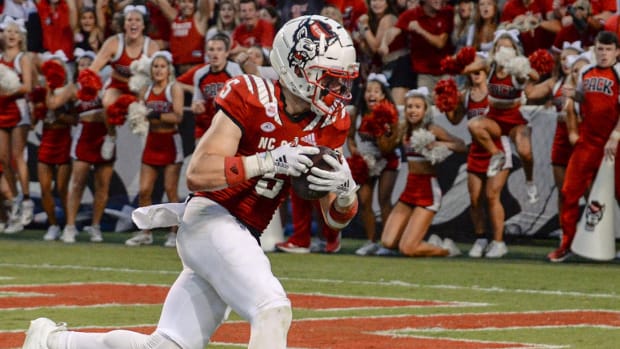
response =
{"points": [[163, 149], [55, 146]]}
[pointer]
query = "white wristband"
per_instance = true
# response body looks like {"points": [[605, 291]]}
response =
{"points": [[615, 135], [258, 164]]}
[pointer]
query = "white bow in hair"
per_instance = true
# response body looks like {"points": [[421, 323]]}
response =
{"points": [[139, 8], [378, 77], [576, 45], [420, 91], [512, 33], [164, 54], [59, 55], [79, 53], [21, 25], [587, 56]]}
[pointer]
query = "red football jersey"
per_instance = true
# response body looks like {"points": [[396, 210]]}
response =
{"points": [[257, 107], [599, 106]]}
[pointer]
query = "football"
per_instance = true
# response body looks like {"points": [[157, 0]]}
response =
{"points": [[300, 184]]}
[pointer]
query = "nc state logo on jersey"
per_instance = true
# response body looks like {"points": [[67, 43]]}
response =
{"points": [[271, 109], [307, 41]]}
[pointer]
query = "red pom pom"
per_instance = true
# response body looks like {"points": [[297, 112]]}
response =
{"points": [[54, 73], [90, 85], [38, 94], [542, 61], [383, 115], [446, 95], [465, 56], [449, 65], [117, 111], [359, 168]]}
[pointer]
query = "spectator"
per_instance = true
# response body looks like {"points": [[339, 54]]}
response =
{"points": [[372, 27], [483, 190], [487, 19], [86, 154], [255, 62], [532, 18], [162, 151], [226, 20], [11, 137], [159, 29], [271, 15], [187, 36], [382, 166], [53, 157], [411, 217], [504, 116], [88, 36], [429, 27], [351, 11], [252, 31], [58, 20], [463, 34], [27, 11], [596, 138], [580, 29]]}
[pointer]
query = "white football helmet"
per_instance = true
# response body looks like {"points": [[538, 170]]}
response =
{"points": [[315, 59]]}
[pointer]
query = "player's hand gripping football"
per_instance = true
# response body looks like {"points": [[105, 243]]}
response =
{"points": [[339, 180], [292, 161]]}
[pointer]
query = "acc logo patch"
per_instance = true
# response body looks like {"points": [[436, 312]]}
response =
{"points": [[268, 127]]}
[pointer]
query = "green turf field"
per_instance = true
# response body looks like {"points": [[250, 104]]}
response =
{"points": [[520, 301]]}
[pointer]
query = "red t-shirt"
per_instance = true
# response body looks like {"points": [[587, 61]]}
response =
{"points": [[256, 106], [599, 6], [541, 37], [186, 43], [426, 58], [262, 35], [160, 26], [570, 34], [57, 33], [351, 11]]}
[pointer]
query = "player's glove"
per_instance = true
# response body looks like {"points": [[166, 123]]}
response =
{"points": [[339, 180], [286, 159]]}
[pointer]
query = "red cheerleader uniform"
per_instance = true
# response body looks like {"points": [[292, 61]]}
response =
{"points": [[121, 62], [505, 90], [89, 135], [162, 148]]}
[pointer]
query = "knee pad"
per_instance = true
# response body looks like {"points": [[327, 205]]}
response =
{"points": [[270, 328]]}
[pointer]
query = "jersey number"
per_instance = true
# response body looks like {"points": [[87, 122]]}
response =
{"points": [[228, 87]]}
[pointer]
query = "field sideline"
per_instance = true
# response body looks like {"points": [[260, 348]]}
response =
{"points": [[340, 301]]}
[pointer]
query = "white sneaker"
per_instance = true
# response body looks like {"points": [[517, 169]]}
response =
{"points": [[27, 212], [69, 234], [53, 233], [448, 244], [15, 226], [39, 330], [107, 148], [532, 193], [435, 240], [496, 249], [95, 233], [140, 238], [2, 227], [496, 163], [478, 248], [171, 240], [385, 252], [369, 248]]}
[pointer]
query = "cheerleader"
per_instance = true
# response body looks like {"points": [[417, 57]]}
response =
{"points": [[12, 108], [483, 189], [53, 155], [120, 51], [383, 164], [426, 144], [509, 73], [163, 149], [86, 154]]}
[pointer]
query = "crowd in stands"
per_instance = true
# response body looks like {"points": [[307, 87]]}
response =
{"points": [[195, 46]]}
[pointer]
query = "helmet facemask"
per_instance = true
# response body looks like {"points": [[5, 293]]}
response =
{"points": [[332, 88]]}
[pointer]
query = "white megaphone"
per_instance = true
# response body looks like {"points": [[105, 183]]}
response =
{"points": [[595, 237]]}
